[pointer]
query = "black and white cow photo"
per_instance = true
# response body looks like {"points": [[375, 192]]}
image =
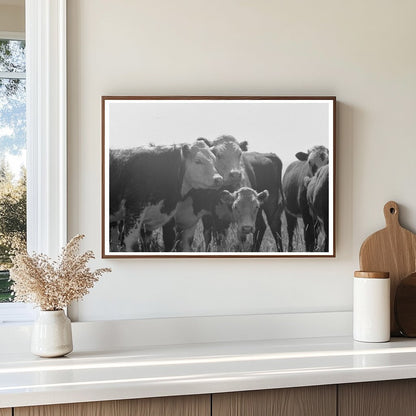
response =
{"points": [[218, 176]]}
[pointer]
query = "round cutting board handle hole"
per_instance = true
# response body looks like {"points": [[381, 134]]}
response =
{"points": [[392, 210]]}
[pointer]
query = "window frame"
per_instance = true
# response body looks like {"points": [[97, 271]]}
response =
{"points": [[46, 121], [12, 36]]}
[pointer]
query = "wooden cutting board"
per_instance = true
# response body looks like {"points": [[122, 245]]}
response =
{"points": [[392, 250]]}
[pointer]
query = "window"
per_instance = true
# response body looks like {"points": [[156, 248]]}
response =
{"points": [[46, 134], [12, 155]]}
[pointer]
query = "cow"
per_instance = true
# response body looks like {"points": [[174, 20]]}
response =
{"points": [[294, 191], [317, 195], [266, 171], [198, 203], [262, 171], [229, 163], [147, 183], [245, 207]]}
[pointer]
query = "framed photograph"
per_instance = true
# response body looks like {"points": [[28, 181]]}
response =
{"points": [[218, 177]]}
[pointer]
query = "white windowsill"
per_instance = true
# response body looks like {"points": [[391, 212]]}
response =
{"points": [[16, 313]]}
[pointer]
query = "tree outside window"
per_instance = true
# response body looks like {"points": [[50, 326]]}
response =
{"points": [[12, 156]]}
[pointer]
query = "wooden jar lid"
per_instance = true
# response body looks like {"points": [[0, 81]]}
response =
{"points": [[372, 275]]}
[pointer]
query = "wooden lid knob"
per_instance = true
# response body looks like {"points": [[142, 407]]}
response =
{"points": [[372, 275]]}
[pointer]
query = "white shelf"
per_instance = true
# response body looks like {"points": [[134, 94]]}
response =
{"points": [[148, 371]]}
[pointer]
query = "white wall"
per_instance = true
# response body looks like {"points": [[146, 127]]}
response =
{"points": [[361, 51]]}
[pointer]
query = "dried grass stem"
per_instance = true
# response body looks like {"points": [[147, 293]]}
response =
{"points": [[53, 285]]}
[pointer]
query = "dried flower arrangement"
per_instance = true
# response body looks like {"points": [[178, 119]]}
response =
{"points": [[52, 285]]}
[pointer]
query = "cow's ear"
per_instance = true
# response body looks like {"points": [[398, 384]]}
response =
{"points": [[302, 156], [206, 141], [262, 196], [227, 197], [244, 145], [186, 151]]}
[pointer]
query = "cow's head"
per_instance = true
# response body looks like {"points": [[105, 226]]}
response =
{"points": [[316, 157], [199, 171], [245, 204], [228, 153]]}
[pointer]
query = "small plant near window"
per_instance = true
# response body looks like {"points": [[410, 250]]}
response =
{"points": [[53, 285]]}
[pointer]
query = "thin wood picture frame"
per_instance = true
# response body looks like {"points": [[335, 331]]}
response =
{"points": [[218, 176]]}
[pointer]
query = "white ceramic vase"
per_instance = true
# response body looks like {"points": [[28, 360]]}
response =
{"points": [[52, 334]]}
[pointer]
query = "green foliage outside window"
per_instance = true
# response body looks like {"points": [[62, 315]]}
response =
{"points": [[12, 148], [12, 224]]}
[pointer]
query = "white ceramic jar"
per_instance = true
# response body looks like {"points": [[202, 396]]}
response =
{"points": [[371, 309], [52, 334]]}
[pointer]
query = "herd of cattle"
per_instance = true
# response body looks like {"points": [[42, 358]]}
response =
{"points": [[224, 187]]}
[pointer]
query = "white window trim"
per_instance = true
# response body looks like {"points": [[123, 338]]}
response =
{"points": [[12, 75], [46, 125], [12, 35], [46, 134]]}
